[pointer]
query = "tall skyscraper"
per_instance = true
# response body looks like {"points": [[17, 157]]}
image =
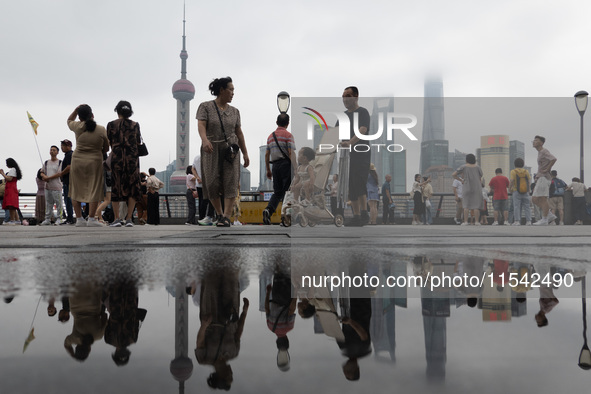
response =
{"points": [[183, 91], [493, 154], [387, 163], [435, 157]]}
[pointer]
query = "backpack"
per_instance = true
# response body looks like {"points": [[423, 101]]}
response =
{"points": [[522, 183], [557, 187]]}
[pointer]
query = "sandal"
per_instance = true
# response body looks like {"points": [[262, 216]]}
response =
{"points": [[223, 222]]}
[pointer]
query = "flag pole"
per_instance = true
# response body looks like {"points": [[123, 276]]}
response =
{"points": [[34, 126]]}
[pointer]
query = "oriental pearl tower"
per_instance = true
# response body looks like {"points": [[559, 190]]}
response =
{"points": [[183, 91]]}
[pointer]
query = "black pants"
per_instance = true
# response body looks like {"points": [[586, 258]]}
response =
{"points": [[281, 181], [191, 206], [387, 213], [153, 208], [205, 207]]}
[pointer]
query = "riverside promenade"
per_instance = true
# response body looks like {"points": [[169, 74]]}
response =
{"points": [[524, 242]]}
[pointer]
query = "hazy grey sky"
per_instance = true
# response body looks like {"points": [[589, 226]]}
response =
{"points": [[58, 54]]}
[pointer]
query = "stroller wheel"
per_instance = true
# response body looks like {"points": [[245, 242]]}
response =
{"points": [[286, 221], [302, 219], [338, 220], [311, 223]]}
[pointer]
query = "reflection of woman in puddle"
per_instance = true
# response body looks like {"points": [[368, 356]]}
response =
{"points": [[124, 319], [90, 320], [218, 339]]}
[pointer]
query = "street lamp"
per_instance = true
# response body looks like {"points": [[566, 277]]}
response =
{"points": [[581, 103], [283, 102], [585, 356]]}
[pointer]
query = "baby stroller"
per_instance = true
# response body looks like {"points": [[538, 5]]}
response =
{"points": [[314, 211]]}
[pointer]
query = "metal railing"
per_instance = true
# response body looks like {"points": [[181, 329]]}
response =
{"points": [[174, 205]]}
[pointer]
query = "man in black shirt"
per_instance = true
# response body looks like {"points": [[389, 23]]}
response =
{"points": [[360, 157]]}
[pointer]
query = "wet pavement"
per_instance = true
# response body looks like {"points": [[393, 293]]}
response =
{"points": [[180, 308]]}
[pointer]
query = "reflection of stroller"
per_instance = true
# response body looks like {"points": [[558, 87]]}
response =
{"points": [[314, 211]]}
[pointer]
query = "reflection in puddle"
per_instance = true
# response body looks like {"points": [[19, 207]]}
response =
{"points": [[120, 321]]}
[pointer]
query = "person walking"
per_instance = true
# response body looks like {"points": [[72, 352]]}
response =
{"points": [[280, 153], [191, 194], [543, 178], [50, 173], [220, 129]]}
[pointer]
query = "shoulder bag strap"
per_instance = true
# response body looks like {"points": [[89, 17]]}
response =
{"points": [[221, 122], [279, 146]]}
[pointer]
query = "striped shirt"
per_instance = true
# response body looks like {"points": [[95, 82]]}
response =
{"points": [[286, 141]]}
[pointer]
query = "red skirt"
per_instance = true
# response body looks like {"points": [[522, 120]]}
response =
{"points": [[10, 195]]}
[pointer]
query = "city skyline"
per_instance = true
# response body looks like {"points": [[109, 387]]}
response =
{"points": [[133, 61]]}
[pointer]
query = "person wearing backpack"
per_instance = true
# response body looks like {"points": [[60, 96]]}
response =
{"points": [[519, 187], [556, 201]]}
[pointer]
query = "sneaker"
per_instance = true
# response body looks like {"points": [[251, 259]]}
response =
{"points": [[551, 217], [46, 222], [457, 221], [128, 223], [528, 224], [92, 222], [9, 223], [116, 223], [266, 217], [561, 223], [188, 223], [541, 222], [206, 221], [478, 224], [495, 224], [237, 223], [59, 222], [507, 223], [465, 224], [518, 224], [80, 222]]}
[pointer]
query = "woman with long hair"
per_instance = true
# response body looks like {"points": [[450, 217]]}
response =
{"points": [[125, 139], [86, 170], [10, 201], [220, 130]]}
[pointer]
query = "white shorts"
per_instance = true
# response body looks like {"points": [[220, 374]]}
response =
{"points": [[542, 188]]}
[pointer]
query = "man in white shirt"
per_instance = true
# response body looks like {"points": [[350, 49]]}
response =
{"points": [[50, 173]]}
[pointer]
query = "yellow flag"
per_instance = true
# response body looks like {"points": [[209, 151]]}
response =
{"points": [[29, 339], [34, 124]]}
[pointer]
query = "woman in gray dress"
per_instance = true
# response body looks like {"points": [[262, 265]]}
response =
{"points": [[470, 174], [219, 128]]}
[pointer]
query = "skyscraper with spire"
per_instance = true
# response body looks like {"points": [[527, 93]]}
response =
{"points": [[183, 91]]}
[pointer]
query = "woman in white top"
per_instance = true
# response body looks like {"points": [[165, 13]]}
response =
{"points": [[579, 208]]}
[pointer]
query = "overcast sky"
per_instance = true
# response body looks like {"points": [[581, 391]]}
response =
{"points": [[58, 54]]}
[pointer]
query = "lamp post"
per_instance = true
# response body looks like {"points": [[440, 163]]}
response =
{"points": [[585, 355], [283, 100], [581, 98]]}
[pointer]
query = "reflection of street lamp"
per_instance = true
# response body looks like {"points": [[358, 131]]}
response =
{"points": [[585, 356], [283, 102], [581, 103]]}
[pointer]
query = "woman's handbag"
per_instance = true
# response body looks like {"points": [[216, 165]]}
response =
{"points": [[142, 150]]}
